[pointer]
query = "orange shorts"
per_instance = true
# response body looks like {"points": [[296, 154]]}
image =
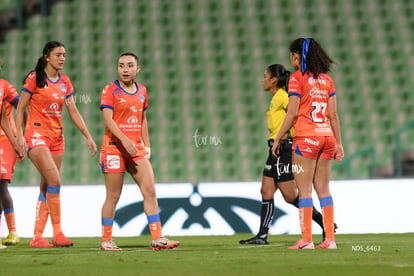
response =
{"points": [[8, 159], [34, 139], [116, 162], [314, 146]]}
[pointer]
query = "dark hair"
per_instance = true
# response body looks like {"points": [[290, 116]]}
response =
{"points": [[42, 63], [280, 72], [313, 57], [129, 54], [25, 78]]}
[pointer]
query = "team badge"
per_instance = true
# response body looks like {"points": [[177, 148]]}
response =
{"points": [[1, 92], [63, 88], [141, 98]]}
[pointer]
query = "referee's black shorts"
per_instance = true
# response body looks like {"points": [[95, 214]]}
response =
{"points": [[280, 168]]}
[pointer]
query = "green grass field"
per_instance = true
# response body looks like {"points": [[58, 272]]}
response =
{"points": [[385, 254]]}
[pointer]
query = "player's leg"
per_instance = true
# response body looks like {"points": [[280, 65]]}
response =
{"points": [[1, 209], [9, 161], [142, 173], [46, 164], [303, 169], [267, 211], [321, 184], [113, 187], [8, 208]]}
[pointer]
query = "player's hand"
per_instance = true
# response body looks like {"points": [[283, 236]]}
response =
{"points": [[20, 148], [92, 146], [339, 152], [130, 147], [276, 148], [148, 152]]}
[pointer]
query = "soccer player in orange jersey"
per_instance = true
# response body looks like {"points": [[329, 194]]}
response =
{"points": [[46, 90], [11, 99], [277, 173], [126, 147], [317, 136], [6, 129]]}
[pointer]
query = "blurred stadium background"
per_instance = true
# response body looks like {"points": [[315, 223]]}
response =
{"points": [[203, 62]]}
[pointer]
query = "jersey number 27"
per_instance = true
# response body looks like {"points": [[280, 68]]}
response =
{"points": [[318, 112]]}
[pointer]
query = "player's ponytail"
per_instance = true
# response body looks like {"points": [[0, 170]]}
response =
{"points": [[313, 57], [40, 72], [280, 72], [42, 63]]}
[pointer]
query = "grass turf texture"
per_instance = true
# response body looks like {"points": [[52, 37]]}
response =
{"points": [[375, 254]]}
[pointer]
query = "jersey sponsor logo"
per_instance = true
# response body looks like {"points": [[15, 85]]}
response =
{"points": [[318, 93], [122, 100], [133, 108], [132, 120], [53, 110], [312, 81], [312, 142], [113, 161], [323, 129], [268, 167], [141, 98], [132, 124], [63, 88]]}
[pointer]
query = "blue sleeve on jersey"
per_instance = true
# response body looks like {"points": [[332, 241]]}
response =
{"points": [[27, 90], [15, 99], [332, 94], [71, 94], [294, 94], [102, 106]]}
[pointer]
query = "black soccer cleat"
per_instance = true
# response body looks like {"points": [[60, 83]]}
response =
{"points": [[255, 240]]}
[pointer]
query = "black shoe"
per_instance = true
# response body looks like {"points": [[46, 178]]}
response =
{"points": [[255, 240], [323, 231]]}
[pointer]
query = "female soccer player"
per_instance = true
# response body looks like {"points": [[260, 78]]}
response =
{"points": [[8, 132], [46, 90], [278, 171], [11, 98], [123, 106], [317, 136]]}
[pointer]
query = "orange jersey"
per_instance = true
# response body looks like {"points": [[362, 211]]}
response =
{"points": [[10, 96], [128, 111], [314, 94], [46, 103]]}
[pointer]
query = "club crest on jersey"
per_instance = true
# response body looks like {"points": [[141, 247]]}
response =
{"points": [[1, 92], [141, 98], [63, 88]]}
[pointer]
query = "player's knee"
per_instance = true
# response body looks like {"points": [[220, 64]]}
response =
{"points": [[290, 198], [266, 194], [113, 198]]}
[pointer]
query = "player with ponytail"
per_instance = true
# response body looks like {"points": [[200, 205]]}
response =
{"points": [[46, 90], [277, 173], [317, 136]]}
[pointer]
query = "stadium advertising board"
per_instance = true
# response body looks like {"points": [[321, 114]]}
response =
{"points": [[369, 206]]}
